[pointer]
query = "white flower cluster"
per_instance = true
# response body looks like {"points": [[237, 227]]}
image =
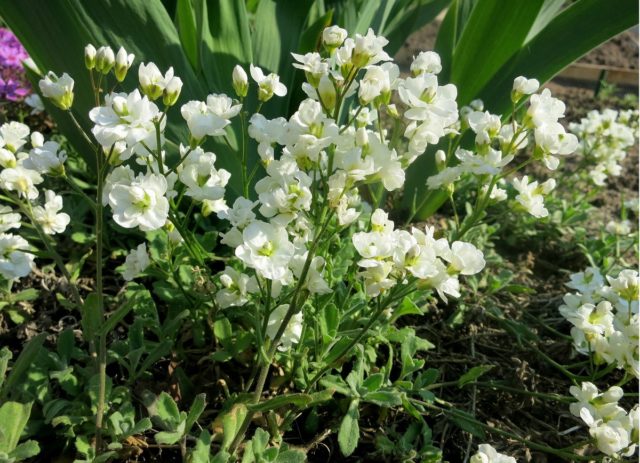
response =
{"points": [[615, 431], [487, 454], [496, 145], [605, 138], [604, 315], [23, 170], [390, 256]]}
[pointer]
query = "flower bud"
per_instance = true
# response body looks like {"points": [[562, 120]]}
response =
{"points": [[90, 56], [362, 138], [240, 81], [172, 91], [58, 89], [441, 160], [523, 86], [327, 92], [151, 80], [105, 59], [123, 63], [37, 139], [392, 110], [333, 37]]}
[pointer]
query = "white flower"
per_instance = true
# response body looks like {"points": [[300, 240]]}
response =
{"points": [[202, 121], [267, 85], [464, 258], [58, 89], [47, 159], [611, 437], [586, 282], [240, 214], [14, 261], [127, 118], [136, 262], [445, 177], [626, 285], [314, 282], [21, 180], [313, 65], [202, 179], [544, 109], [8, 219], [530, 196], [487, 454], [13, 135], [293, 331], [551, 139], [368, 49], [333, 36], [140, 202], [49, 217], [622, 228], [236, 288], [240, 81], [523, 86], [426, 62], [152, 82], [267, 249], [378, 81], [222, 106]]}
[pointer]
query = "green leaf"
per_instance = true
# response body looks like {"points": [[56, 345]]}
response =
{"points": [[467, 423], [493, 33], [91, 317], [23, 363], [384, 398], [223, 331], [329, 322], [373, 382], [291, 456], [300, 401], [197, 407], [167, 438], [231, 423], [474, 374], [13, 419], [25, 450], [406, 307], [349, 432], [29, 294], [226, 42], [407, 18], [201, 453], [167, 410], [139, 297], [5, 356]]}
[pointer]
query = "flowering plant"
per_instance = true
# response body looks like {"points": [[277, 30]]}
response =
{"points": [[303, 294]]}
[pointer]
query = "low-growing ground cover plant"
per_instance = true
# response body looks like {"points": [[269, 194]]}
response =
{"points": [[289, 298]]}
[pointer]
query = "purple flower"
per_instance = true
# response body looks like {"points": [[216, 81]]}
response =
{"points": [[14, 85]]}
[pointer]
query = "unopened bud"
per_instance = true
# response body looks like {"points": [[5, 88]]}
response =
{"points": [[90, 56], [327, 92], [441, 160], [105, 59], [240, 81], [123, 63], [172, 91], [333, 37]]}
